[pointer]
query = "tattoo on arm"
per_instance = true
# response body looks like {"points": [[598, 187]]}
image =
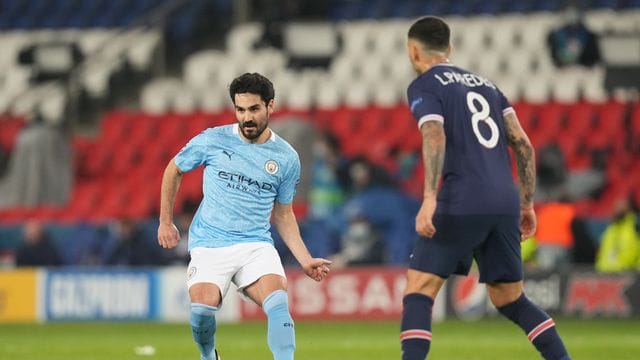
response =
{"points": [[433, 149], [525, 158]]}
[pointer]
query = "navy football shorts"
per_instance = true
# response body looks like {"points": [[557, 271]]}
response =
{"points": [[493, 240]]}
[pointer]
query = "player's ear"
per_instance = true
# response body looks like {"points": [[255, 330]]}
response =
{"points": [[414, 51], [271, 106], [449, 50]]}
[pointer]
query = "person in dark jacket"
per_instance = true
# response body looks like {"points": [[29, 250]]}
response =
{"points": [[36, 248]]}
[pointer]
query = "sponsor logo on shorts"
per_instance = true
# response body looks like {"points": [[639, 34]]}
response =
{"points": [[271, 167], [191, 272]]}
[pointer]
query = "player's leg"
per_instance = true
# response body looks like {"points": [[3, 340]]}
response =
{"points": [[511, 302], [500, 264], [208, 279], [417, 304], [205, 298], [262, 279], [432, 261]]}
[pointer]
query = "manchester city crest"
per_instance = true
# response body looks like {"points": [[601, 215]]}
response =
{"points": [[271, 167]]}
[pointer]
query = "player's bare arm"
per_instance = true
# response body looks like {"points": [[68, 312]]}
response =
{"points": [[168, 234], [525, 162], [287, 226], [433, 149]]}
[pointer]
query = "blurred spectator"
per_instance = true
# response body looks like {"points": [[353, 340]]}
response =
{"points": [[326, 196], [554, 180], [528, 249], [40, 169], [36, 248], [327, 193], [391, 213], [573, 43], [551, 172], [360, 245], [620, 244], [363, 175], [300, 134], [130, 247], [4, 160], [554, 239]]}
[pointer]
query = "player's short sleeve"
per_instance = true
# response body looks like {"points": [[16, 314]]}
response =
{"points": [[424, 105], [505, 104], [193, 154], [290, 181]]}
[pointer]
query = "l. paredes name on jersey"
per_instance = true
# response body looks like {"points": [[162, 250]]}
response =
{"points": [[466, 79]]}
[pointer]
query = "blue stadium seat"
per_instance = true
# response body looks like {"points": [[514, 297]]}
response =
{"points": [[344, 11], [489, 7]]}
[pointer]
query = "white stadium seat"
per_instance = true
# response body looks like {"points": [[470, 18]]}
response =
{"points": [[242, 38], [565, 87], [357, 94], [536, 90], [157, 95], [328, 94], [212, 99]]}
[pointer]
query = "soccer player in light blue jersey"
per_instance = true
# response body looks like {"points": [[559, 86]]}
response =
{"points": [[249, 172]]}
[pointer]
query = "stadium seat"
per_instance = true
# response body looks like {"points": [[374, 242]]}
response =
{"points": [[536, 90]]}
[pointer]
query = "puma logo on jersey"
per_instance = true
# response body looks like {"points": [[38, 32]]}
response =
{"points": [[228, 153]]}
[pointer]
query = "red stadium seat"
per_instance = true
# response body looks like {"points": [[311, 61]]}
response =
{"points": [[526, 114], [579, 119], [610, 118], [551, 118]]}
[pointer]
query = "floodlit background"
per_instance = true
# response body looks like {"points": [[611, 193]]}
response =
{"points": [[97, 96]]}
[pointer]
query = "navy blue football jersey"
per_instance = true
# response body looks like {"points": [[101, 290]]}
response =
{"points": [[476, 177]]}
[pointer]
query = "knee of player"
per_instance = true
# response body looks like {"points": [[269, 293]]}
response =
{"points": [[423, 283], [503, 294], [205, 293], [276, 303]]}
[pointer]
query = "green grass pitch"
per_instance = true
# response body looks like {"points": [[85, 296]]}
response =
{"points": [[494, 339]]}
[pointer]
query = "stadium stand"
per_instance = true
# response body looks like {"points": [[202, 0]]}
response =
{"points": [[362, 89]]}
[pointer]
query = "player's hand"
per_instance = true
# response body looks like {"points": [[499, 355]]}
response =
{"points": [[317, 268], [528, 223], [168, 235], [424, 219]]}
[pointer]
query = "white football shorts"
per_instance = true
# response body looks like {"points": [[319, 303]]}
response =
{"points": [[241, 264]]}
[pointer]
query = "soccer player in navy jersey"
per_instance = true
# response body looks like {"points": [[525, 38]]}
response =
{"points": [[249, 172], [477, 212]]}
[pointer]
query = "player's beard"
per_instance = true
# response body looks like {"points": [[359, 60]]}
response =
{"points": [[256, 130]]}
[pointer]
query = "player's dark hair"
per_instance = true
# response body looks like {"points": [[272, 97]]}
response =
{"points": [[252, 83], [432, 32]]}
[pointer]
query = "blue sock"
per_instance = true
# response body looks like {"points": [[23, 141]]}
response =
{"points": [[281, 335], [203, 328], [415, 335], [538, 326]]}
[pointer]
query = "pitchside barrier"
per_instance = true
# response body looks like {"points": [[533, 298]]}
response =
{"points": [[371, 293]]}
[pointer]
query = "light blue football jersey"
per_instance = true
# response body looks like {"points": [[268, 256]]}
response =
{"points": [[241, 183]]}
